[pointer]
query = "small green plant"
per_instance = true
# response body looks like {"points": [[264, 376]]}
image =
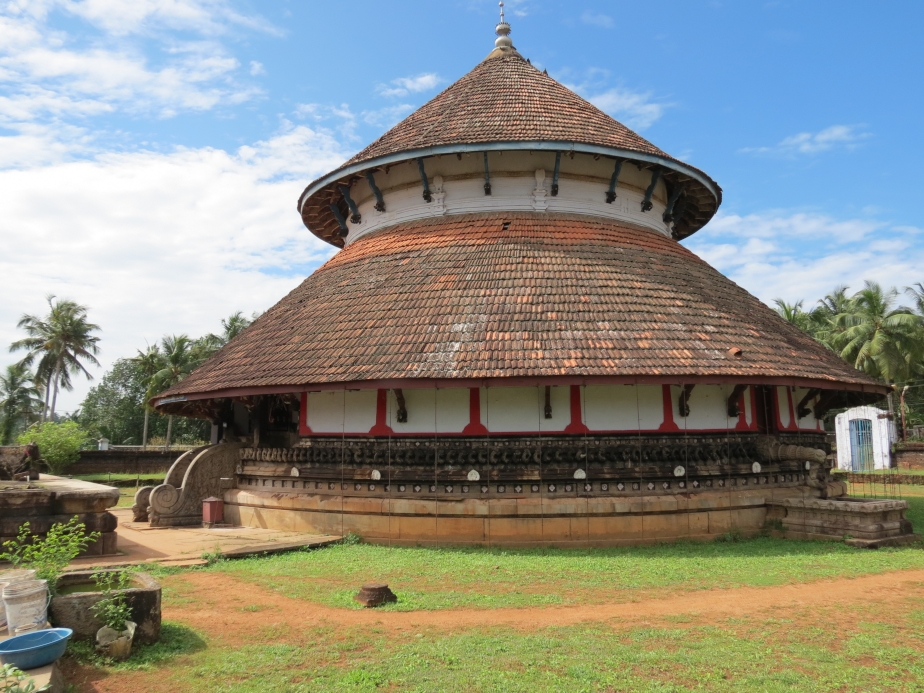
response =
{"points": [[113, 609], [12, 680], [48, 556], [351, 539], [732, 536], [214, 556]]}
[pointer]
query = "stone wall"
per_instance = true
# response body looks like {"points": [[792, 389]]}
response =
{"points": [[909, 456], [115, 461]]}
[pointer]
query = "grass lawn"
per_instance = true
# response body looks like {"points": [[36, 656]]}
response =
{"points": [[260, 644], [287, 623]]}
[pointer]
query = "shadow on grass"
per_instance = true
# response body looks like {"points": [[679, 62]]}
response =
{"points": [[175, 641]]}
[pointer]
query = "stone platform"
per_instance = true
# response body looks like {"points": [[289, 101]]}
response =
{"points": [[52, 500], [860, 522]]}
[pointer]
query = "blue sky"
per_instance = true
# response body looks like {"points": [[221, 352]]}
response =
{"points": [[151, 151]]}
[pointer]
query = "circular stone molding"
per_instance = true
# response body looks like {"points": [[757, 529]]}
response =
{"points": [[679, 471], [580, 474], [755, 467], [376, 475], [474, 475]]}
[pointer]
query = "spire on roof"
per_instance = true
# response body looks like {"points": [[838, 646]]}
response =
{"points": [[502, 30]]}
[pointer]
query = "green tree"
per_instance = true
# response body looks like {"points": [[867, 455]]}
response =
{"points": [[179, 358], [59, 443], [877, 336], [114, 408], [149, 363], [231, 327], [60, 342], [20, 401]]}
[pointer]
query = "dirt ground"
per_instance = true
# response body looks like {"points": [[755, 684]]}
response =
{"points": [[223, 608]]}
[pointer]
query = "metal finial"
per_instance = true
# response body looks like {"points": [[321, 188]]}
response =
{"points": [[503, 31]]}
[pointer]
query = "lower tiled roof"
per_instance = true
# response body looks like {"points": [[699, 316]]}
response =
{"points": [[516, 295]]}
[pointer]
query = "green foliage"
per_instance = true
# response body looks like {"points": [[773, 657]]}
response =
{"points": [[351, 539], [113, 609], [20, 401], [59, 443], [60, 342], [175, 640], [12, 680], [48, 556], [115, 409]]}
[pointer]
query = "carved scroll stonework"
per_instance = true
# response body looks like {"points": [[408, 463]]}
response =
{"points": [[171, 506]]}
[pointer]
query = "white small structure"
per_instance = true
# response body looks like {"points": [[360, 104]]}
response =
{"points": [[103, 443], [864, 439]]}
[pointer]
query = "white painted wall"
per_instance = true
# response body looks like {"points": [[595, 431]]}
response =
{"points": [[884, 433], [513, 410], [519, 182]]}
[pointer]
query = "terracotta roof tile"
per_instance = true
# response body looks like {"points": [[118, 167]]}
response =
{"points": [[553, 295]]}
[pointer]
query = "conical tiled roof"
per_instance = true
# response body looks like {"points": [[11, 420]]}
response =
{"points": [[506, 99], [450, 299], [505, 102]]}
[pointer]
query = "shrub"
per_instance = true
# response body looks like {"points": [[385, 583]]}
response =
{"points": [[12, 680], [113, 609], [48, 556], [59, 443]]}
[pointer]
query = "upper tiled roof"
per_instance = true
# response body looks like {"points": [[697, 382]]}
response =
{"points": [[522, 295], [505, 100]]}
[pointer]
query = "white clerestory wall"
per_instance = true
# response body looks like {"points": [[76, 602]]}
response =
{"points": [[520, 182], [521, 410]]}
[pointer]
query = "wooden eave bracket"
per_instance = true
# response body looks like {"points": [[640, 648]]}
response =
{"points": [[732, 405]]}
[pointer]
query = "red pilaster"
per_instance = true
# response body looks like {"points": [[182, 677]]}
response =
{"points": [[303, 428], [668, 423], [474, 427], [742, 424], [381, 427], [577, 423]]}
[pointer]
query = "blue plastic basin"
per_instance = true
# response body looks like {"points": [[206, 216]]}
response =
{"points": [[36, 649]]}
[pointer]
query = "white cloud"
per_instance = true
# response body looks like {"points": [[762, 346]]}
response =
{"points": [[836, 136], [50, 75], [798, 255], [597, 19], [635, 109], [161, 243], [386, 117], [256, 68], [402, 86]]}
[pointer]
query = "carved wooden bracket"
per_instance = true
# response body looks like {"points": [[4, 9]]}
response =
{"points": [[733, 408], [548, 402], [683, 404], [402, 407], [803, 410]]}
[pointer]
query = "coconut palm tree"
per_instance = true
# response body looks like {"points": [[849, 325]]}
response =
{"points": [[149, 362], [178, 358], [876, 336], [20, 400], [59, 342], [231, 326]]}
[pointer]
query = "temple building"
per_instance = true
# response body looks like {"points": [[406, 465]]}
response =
{"points": [[512, 346]]}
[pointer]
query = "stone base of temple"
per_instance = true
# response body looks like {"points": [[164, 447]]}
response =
{"points": [[521, 521]]}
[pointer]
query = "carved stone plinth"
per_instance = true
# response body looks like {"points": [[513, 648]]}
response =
{"points": [[375, 594]]}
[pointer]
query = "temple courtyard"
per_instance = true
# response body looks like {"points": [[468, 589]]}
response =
{"points": [[785, 615]]}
